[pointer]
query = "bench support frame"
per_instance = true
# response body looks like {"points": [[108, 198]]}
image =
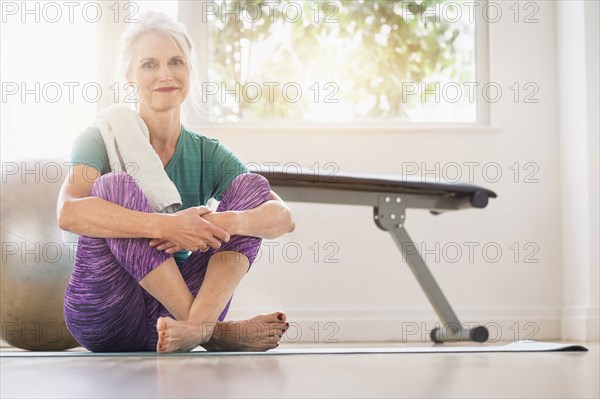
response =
{"points": [[390, 215]]}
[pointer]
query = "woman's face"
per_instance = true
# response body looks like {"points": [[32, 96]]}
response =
{"points": [[160, 71]]}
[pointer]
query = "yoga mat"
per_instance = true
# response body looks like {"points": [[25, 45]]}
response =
{"points": [[517, 346]]}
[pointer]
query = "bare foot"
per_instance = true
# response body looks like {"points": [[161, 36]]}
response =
{"points": [[257, 334], [178, 336]]}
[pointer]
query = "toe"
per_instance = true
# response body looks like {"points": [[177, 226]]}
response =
{"points": [[281, 316], [280, 328], [162, 324], [276, 328], [278, 338]]}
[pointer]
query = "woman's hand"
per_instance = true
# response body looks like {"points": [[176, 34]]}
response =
{"points": [[166, 246], [189, 230]]}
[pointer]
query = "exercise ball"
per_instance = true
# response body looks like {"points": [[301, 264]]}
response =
{"points": [[36, 263]]}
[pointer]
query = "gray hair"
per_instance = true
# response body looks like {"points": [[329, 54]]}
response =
{"points": [[157, 22]]}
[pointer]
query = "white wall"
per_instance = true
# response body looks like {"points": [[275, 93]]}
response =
{"points": [[577, 28], [370, 294], [592, 35]]}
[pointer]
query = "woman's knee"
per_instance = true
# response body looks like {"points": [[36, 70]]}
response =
{"points": [[246, 191], [121, 189], [246, 247], [253, 182]]}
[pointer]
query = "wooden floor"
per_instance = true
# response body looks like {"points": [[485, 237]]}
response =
{"points": [[452, 375]]}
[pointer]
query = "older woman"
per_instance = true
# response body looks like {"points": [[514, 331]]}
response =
{"points": [[145, 281]]}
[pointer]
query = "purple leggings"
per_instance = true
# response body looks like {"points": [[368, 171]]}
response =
{"points": [[105, 308]]}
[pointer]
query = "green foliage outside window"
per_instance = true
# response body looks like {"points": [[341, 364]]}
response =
{"points": [[353, 55]]}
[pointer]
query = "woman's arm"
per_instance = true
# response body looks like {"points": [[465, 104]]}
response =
{"points": [[95, 217], [269, 220]]}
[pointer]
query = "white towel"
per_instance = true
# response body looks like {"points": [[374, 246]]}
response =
{"points": [[127, 141]]}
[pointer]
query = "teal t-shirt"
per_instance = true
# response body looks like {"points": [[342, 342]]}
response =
{"points": [[201, 168]]}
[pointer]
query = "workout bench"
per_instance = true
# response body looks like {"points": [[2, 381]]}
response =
{"points": [[390, 196]]}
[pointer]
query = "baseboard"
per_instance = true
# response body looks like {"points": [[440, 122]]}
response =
{"points": [[580, 323], [593, 323], [411, 324]]}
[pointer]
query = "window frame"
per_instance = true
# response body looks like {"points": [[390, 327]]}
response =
{"points": [[190, 14]]}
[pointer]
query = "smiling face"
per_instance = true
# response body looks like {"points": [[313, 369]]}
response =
{"points": [[161, 72]]}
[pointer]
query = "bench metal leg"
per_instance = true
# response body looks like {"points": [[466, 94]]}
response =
{"points": [[452, 329], [390, 216]]}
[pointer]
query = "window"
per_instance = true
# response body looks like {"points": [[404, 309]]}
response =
{"points": [[51, 90], [294, 63], [49, 78], [376, 61]]}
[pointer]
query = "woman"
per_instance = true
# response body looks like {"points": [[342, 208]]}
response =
{"points": [[135, 286]]}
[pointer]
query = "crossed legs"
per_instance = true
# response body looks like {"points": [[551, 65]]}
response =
{"points": [[196, 319], [120, 288]]}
